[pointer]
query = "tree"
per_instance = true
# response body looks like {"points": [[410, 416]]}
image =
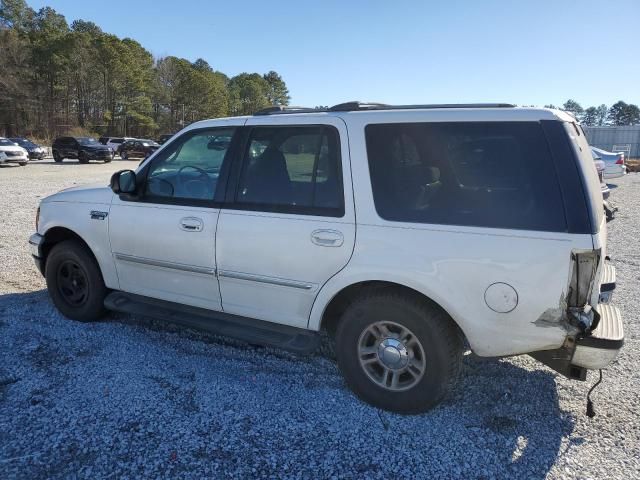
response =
{"points": [[15, 14], [574, 108], [590, 117], [601, 115], [248, 94], [56, 78], [277, 91], [622, 113]]}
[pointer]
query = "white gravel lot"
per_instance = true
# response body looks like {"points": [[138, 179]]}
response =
{"points": [[131, 398]]}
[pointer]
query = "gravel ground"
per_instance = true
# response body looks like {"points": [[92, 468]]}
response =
{"points": [[131, 397]]}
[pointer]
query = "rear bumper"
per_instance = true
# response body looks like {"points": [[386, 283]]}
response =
{"points": [[601, 346], [596, 348]]}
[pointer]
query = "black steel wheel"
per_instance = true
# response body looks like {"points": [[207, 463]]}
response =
{"points": [[74, 281]]}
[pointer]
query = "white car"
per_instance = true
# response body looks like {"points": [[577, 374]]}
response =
{"points": [[114, 143], [614, 162], [404, 232], [11, 152]]}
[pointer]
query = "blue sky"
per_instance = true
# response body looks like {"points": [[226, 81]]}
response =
{"points": [[330, 51]]}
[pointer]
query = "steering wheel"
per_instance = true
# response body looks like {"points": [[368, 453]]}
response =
{"points": [[201, 182]]}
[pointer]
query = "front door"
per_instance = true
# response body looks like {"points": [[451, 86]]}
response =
{"points": [[288, 224], [163, 240]]}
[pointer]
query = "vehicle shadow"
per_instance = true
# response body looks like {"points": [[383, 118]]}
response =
{"points": [[503, 420]]}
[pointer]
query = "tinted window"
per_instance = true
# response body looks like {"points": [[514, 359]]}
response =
{"points": [[485, 174], [190, 167], [292, 169]]}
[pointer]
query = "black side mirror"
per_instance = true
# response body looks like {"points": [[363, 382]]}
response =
{"points": [[124, 181]]}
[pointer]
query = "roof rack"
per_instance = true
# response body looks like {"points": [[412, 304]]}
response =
{"points": [[360, 106]]}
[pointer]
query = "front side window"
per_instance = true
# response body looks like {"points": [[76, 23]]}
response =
{"points": [[292, 170], [189, 168], [485, 174]]}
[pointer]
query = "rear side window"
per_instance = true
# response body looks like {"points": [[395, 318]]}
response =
{"points": [[484, 174], [587, 169], [292, 170]]}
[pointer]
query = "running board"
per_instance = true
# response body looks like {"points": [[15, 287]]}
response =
{"points": [[297, 340]]}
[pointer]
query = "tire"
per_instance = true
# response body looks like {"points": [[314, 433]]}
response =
{"points": [[108, 160], [82, 158], [432, 346], [56, 157], [23, 164], [69, 262]]}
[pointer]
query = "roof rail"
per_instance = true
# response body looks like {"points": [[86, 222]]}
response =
{"points": [[351, 106], [276, 109], [360, 106], [355, 106]]}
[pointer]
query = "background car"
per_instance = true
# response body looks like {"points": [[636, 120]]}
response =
{"points": [[35, 151], [138, 148], [164, 137], [600, 167], [614, 162], [114, 143], [82, 148], [10, 152]]}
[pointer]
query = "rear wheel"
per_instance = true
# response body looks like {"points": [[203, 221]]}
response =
{"points": [[74, 282], [397, 352]]}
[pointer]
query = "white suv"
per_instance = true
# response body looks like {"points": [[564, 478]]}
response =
{"points": [[404, 232]]}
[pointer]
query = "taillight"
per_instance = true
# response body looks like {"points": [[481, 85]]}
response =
{"points": [[620, 160]]}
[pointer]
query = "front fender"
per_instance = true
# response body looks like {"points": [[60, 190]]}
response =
{"points": [[89, 221]]}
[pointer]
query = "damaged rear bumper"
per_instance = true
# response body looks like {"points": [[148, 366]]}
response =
{"points": [[602, 345], [598, 346]]}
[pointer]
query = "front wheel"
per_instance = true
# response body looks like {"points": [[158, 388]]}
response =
{"points": [[398, 352], [82, 158], [56, 157], [74, 282]]}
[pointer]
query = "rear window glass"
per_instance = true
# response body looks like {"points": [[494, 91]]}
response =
{"points": [[485, 174]]}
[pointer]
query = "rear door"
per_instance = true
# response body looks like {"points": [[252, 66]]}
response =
{"points": [[288, 224]]}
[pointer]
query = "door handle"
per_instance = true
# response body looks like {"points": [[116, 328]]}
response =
{"points": [[327, 238], [191, 224]]}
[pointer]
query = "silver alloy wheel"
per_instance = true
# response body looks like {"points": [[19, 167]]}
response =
{"points": [[391, 355]]}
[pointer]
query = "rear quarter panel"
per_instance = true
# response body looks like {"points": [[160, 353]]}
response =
{"points": [[454, 266]]}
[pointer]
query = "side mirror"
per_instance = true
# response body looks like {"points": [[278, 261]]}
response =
{"points": [[123, 181]]}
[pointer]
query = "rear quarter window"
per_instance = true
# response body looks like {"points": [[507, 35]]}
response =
{"points": [[483, 174], [588, 171]]}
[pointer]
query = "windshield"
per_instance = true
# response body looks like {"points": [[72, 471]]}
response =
{"points": [[23, 142], [88, 141], [6, 143]]}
